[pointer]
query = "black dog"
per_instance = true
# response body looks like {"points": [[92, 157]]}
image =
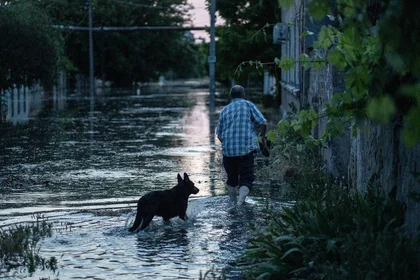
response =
{"points": [[166, 204]]}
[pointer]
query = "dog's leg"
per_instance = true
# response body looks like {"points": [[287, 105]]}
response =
{"points": [[184, 216], [137, 223], [146, 221]]}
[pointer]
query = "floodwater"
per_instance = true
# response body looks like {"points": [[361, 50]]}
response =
{"points": [[84, 171]]}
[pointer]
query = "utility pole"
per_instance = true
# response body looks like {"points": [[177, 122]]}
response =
{"points": [[212, 54], [91, 68], [91, 75]]}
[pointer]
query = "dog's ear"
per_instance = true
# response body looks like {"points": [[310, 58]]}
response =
{"points": [[186, 178], [179, 179]]}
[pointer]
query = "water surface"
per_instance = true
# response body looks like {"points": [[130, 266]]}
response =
{"points": [[84, 171]]}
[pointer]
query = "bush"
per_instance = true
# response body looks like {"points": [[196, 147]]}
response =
{"points": [[19, 246], [355, 237], [331, 232]]}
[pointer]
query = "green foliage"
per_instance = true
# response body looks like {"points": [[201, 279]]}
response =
{"points": [[125, 57], [343, 237], [296, 158], [381, 109], [332, 231], [286, 63], [380, 63], [245, 36], [19, 246], [30, 48]]}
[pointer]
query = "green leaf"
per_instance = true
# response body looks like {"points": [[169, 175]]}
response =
{"points": [[397, 62], [357, 80], [337, 58], [381, 109], [271, 135], [305, 60], [411, 91], [319, 9], [411, 128], [326, 37], [291, 251], [287, 63], [282, 238], [334, 127], [302, 115], [312, 114], [283, 127], [285, 3]]}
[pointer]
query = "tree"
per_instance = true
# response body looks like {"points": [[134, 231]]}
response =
{"points": [[246, 38], [126, 56], [31, 49]]}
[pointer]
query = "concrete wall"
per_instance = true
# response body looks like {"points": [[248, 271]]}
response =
{"points": [[380, 159], [375, 157]]}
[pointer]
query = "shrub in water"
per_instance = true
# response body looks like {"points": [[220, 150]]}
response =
{"points": [[19, 246]]}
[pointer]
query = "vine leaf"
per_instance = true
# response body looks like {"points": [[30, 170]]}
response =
{"points": [[411, 129], [381, 109]]}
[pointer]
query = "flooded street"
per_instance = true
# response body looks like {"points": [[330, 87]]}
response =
{"points": [[86, 174], [134, 144]]}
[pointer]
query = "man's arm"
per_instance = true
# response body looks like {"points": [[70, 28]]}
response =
{"points": [[219, 128], [263, 130], [259, 120]]}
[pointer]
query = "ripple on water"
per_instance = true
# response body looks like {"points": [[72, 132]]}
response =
{"points": [[90, 246]]}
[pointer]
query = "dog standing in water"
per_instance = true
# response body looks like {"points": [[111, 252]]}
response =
{"points": [[166, 204]]}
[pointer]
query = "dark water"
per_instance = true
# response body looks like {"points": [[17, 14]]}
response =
{"points": [[84, 171]]}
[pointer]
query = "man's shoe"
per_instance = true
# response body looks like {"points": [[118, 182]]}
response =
{"points": [[233, 192], [243, 192]]}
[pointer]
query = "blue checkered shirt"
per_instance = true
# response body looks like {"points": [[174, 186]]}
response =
{"points": [[236, 127]]}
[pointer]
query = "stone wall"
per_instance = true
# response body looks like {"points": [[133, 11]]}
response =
{"points": [[381, 160], [375, 157], [322, 84]]}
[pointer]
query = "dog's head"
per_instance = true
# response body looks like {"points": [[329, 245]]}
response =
{"points": [[187, 184]]}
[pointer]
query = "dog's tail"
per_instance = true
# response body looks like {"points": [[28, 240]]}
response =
{"points": [[136, 224]]}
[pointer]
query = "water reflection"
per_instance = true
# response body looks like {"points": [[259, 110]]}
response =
{"points": [[84, 170], [137, 144]]}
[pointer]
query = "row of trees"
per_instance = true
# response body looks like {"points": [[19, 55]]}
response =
{"points": [[33, 49]]}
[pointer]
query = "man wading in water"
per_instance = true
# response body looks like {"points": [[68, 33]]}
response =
{"points": [[236, 132]]}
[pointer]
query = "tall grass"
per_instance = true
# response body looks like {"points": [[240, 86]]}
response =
{"points": [[361, 237], [332, 232], [19, 246]]}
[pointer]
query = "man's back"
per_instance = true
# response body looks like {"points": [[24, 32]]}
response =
{"points": [[236, 127]]}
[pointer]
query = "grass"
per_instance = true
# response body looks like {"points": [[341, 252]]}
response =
{"points": [[19, 246], [332, 232]]}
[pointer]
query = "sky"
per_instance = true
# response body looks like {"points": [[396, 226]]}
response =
{"points": [[201, 17]]}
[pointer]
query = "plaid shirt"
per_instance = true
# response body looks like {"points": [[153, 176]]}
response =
{"points": [[235, 127]]}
